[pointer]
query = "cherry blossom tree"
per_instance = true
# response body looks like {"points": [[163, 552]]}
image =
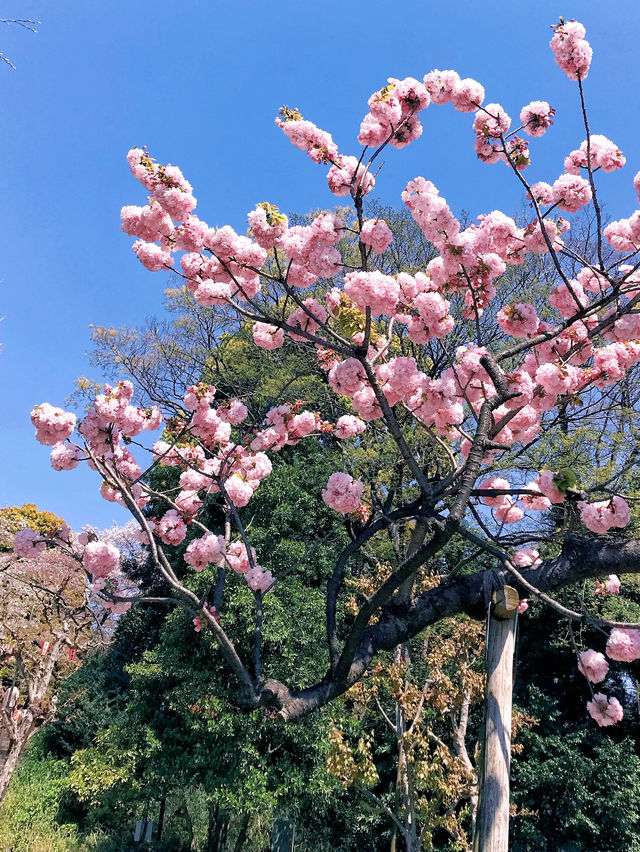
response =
{"points": [[47, 623], [463, 421]]}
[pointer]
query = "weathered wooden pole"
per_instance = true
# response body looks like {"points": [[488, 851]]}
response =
{"points": [[492, 825]]}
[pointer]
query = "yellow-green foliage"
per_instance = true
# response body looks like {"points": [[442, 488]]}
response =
{"points": [[14, 518]]}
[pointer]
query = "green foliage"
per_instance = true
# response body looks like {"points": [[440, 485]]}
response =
{"points": [[577, 790], [575, 786], [30, 810]]}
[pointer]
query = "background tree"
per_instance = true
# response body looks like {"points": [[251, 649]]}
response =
{"points": [[46, 621]]}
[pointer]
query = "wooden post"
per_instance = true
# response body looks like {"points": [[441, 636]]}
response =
{"points": [[492, 826]]}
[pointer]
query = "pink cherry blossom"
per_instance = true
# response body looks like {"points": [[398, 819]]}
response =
{"points": [[239, 490], [152, 256], [28, 543], [53, 425], [491, 120], [508, 512], [373, 290], [347, 177], [307, 318], [518, 320], [571, 192], [349, 426], [526, 557], [605, 711], [238, 557], [602, 516], [171, 528], [572, 52], [546, 485], [258, 579], [611, 586], [467, 95], [307, 137], [267, 336], [624, 645], [100, 558], [542, 192], [204, 551], [65, 456], [568, 299], [593, 665], [376, 234], [533, 502], [268, 225], [343, 493], [234, 411], [537, 117], [495, 482], [604, 154]]}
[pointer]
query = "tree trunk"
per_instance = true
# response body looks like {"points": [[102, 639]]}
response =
{"points": [[242, 834], [163, 806], [9, 767], [413, 842], [459, 726], [492, 827], [405, 787], [217, 834]]}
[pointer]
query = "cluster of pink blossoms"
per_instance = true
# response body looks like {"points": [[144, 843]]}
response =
{"points": [[446, 87], [170, 198], [111, 418], [568, 193], [599, 153], [52, 424], [526, 557], [537, 117], [605, 710], [518, 320], [343, 493], [611, 586], [393, 113], [376, 234], [197, 621], [212, 549], [573, 53], [624, 234], [504, 505], [538, 496], [593, 665], [346, 175], [623, 645], [171, 528], [28, 543], [604, 515], [100, 558]]}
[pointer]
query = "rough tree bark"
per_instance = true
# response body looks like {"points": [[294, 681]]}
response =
{"points": [[580, 559], [20, 726]]}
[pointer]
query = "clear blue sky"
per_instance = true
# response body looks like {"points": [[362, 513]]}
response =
{"points": [[199, 83]]}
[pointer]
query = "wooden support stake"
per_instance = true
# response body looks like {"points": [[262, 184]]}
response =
{"points": [[492, 826]]}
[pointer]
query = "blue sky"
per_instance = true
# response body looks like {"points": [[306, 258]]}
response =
{"points": [[199, 83]]}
